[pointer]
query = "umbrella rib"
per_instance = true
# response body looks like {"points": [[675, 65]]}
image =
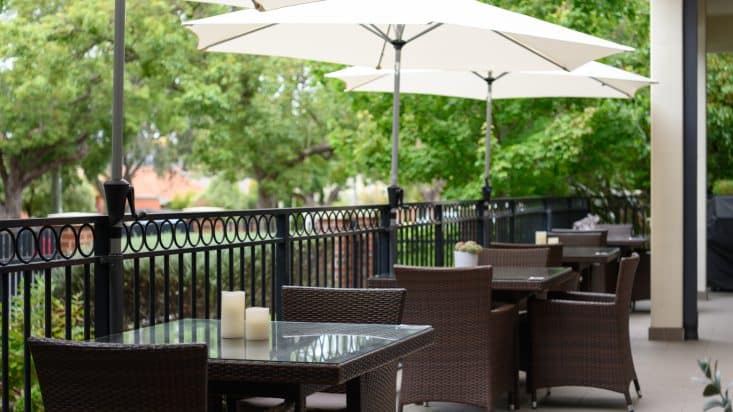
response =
{"points": [[238, 36], [368, 81], [424, 32], [375, 31], [612, 87], [531, 50], [384, 48]]}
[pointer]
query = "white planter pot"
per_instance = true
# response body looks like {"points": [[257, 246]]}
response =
{"points": [[464, 259]]}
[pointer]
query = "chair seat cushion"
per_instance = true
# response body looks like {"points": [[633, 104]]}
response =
{"points": [[321, 401]]}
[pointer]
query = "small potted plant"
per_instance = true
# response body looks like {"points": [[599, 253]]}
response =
{"points": [[465, 254]]}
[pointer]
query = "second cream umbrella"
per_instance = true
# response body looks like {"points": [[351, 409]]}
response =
{"points": [[591, 80]]}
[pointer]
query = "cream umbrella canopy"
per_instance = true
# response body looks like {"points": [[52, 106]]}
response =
{"points": [[591, 80], [261, 5], [433, 34]]}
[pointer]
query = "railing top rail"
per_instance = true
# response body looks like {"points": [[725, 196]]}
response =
{"points": [[52, 221]]}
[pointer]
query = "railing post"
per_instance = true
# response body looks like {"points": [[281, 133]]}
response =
{"points": [[282, 258], [101, 280], [483, 237], [395, 195], [548, 214], [384, 245], [512, 219], [439, 236]]}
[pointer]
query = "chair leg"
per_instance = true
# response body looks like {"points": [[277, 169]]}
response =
{"points": [[637, 387], [231, 404], [512, 401], [215, 403], [534, 399], [629, 404]]}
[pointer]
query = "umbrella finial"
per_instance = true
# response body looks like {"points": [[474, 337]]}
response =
{"points": [[258, 5]]}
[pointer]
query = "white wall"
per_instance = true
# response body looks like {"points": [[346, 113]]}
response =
{"points": [[667, 166]]}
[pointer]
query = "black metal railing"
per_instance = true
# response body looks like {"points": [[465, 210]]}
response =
{"points": [[54, 273]]}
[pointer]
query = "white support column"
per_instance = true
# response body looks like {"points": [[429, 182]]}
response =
{"points": [[667, 185], [702, 158]]}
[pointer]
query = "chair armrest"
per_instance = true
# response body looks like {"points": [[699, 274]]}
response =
{"points": [[582, 297]]}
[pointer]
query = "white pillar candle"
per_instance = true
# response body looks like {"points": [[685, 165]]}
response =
{"points": [[232, 315], [553, 240], [540, 238], [257, 324]]}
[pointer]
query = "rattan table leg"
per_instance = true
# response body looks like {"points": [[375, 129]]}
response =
{"points": [[353, 395]]}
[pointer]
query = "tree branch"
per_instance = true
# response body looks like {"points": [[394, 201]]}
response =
{"points": [[45, 167], [323, 149]]}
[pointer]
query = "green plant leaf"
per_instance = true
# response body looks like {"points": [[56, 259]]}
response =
{"points": [[711, 390]]}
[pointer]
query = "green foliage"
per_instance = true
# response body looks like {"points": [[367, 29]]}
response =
{"points": [[723, 188], [226, 194], [720, 116], [181, 201], [713, 387], [16, 339], [77, 196]]}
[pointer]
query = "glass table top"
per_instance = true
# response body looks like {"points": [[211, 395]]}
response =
{"points": [[329, 343], [528, 274], [589, 251], [513, 274]]}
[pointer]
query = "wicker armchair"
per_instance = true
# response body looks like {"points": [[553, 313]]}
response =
{"points": [[473, 359], [569, 237], [378, 306], [92, 377], [582, 339]]}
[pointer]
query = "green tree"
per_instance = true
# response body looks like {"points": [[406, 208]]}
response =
{"points": [[269, 119], [55, 84]]}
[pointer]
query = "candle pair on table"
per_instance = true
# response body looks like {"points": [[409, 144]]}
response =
{"points": [[540, 238], [238, 322]]}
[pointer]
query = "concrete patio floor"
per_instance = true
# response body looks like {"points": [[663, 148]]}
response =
{"points": [[665, 369]]}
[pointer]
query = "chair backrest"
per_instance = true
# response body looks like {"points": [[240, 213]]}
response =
{"points": [[525, 257], [456, 302], [379, 306], [89, 377], [618, 231], [554, 258], [570, 237], [625, 283]]}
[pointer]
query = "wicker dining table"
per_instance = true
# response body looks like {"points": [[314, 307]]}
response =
{"points": [[298, 359], [595, 258], [510, 282]]}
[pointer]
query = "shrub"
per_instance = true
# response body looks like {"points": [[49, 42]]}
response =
{"points": [[16, 340], [723, 188]]}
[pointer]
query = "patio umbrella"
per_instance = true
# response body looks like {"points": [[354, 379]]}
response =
{"points": [[434, 34], [261, 5], [592, 80]]}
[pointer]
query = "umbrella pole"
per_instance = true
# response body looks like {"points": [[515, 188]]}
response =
{"points": [[394, 192], [487, 155], [116, 191], [486, 209]]}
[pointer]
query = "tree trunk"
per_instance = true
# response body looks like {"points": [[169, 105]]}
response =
{"points": [[265, 199], [13, 205]]}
